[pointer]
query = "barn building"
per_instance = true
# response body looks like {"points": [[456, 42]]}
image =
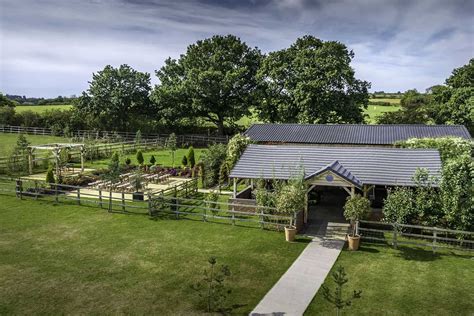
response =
{"points": [[338, 160]]}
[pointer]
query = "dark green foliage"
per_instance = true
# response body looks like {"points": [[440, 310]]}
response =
{"points": [[356, 208], [116, 96], [113, 172], [427, 202], [337, 299], [212, 161], [312, 81], [140, 159], [211, 289], [184, 161], [128, 161], [152, 159], [413, 110], [6, 102], [398, 206], [214, 80], [191, 158], [50, 176], [448, 147]]}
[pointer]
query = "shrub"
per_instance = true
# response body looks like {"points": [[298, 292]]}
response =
{"points": [[191, 158], [184, 161], [212, 161], [235, 149], [140, 158], [291, 197], [211, 198], [152, 159], [356, 208], [50, 176], [128, 161], [449, 147]]}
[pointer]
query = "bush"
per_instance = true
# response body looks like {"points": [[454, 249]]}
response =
{"points": [[191, 158], [152, 159], [184, 161], [128, 161], [398, 206], [211, 198], [291, 197], [212, 161], [140, 158], [449, 147], [50, 176]]}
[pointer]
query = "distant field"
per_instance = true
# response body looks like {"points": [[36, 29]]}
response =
{"points": [[375, 110], [41, 108], [389, 100], [8, 141]]}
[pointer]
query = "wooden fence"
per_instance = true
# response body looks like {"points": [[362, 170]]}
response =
{"points": [[403, 234], [182, 140], [176, 202]]}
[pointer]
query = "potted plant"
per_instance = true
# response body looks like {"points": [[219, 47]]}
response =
{"points": [[356, 208], [137, 183], [290, 198]]}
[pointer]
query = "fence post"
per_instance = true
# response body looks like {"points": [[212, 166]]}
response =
{"points": [[123, 202], [100, 198], [395, 231], [56, 197], [78, 196], [110, 199], [36, 190], [175, 201], [19, 189], [435, 234], [261, 219]]}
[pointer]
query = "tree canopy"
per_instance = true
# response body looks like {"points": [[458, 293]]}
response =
{"points": [[311, 82], [115, 96], [214, 80]]}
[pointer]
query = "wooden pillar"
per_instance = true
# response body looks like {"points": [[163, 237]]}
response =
{"points": [[352, 191], [235, 187], [305, 208]]}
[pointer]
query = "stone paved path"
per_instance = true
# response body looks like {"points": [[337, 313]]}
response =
{"points": [[291, 295]]}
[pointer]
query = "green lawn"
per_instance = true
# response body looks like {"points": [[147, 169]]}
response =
{"points": [[163, 157], [41, 108], [8, 141], [409, 281], [375, 110], [389, 100], [66, 259]]}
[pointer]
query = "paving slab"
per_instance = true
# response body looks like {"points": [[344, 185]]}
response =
{"points": [[292, 294]]}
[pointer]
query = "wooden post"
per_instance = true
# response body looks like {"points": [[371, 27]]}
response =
{"points": [[352, 191], [56, 193], [100, 198], [110, 199], [123, 202], [30, 161], [36, 190], [395, 231], [82, 158], [78, 196], [435, 234], [175, 201], [19, 189], [261, 219], [235, 187]]}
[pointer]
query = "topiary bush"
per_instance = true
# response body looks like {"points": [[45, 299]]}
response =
{"points": [[191, 157], [140, 158], [356, 208]]}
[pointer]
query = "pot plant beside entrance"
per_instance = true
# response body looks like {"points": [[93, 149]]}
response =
{"points": [[137, 183], [356, 208]]}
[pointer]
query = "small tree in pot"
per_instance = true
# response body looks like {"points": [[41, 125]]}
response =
{"points": [[356, 208], [290, 198]]}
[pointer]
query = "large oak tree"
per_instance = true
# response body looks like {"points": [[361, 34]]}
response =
{"points": [[214, 80], [115, 97], [312, 81]]}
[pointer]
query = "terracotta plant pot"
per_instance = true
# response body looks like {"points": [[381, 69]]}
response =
{"points": [[354, 242], [290, 233]]}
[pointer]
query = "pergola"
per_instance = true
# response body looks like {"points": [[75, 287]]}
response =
{"points": [[350, 168], [56, 149]]}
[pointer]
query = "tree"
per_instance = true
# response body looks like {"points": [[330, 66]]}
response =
{"points": [[426, 198], [171, 145], [138, 138], [50, 176], [6, 102], [340, 278], [115, 96], [398, 206], [191, 158], [152, 159], [140, 158], [211, 288], [184, 161], [414, 110], [214, 80], [311, 82], [212, 161], [356, 208], [113, 173]]}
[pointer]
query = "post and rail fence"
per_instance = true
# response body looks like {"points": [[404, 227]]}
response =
{"points": [[175, 202], [396, 235]]}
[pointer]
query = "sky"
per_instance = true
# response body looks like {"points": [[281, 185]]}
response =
{"points": [[52, 47]]}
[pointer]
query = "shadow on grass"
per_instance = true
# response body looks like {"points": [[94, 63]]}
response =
{"points": [[302, 240], [417, 254], [368, 249]]}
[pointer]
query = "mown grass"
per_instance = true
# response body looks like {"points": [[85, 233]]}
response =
{"points": [[408, 281], [389, 100], [8, 141], [375, 110], [163, 157], [41, 108], [65, 259]]}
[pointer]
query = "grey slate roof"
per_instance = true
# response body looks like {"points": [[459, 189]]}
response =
{"points": [[359, 134], [338, 169], [365, 165]]}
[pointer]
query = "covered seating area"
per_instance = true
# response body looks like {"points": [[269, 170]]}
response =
{"points": [[353, 169]]}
